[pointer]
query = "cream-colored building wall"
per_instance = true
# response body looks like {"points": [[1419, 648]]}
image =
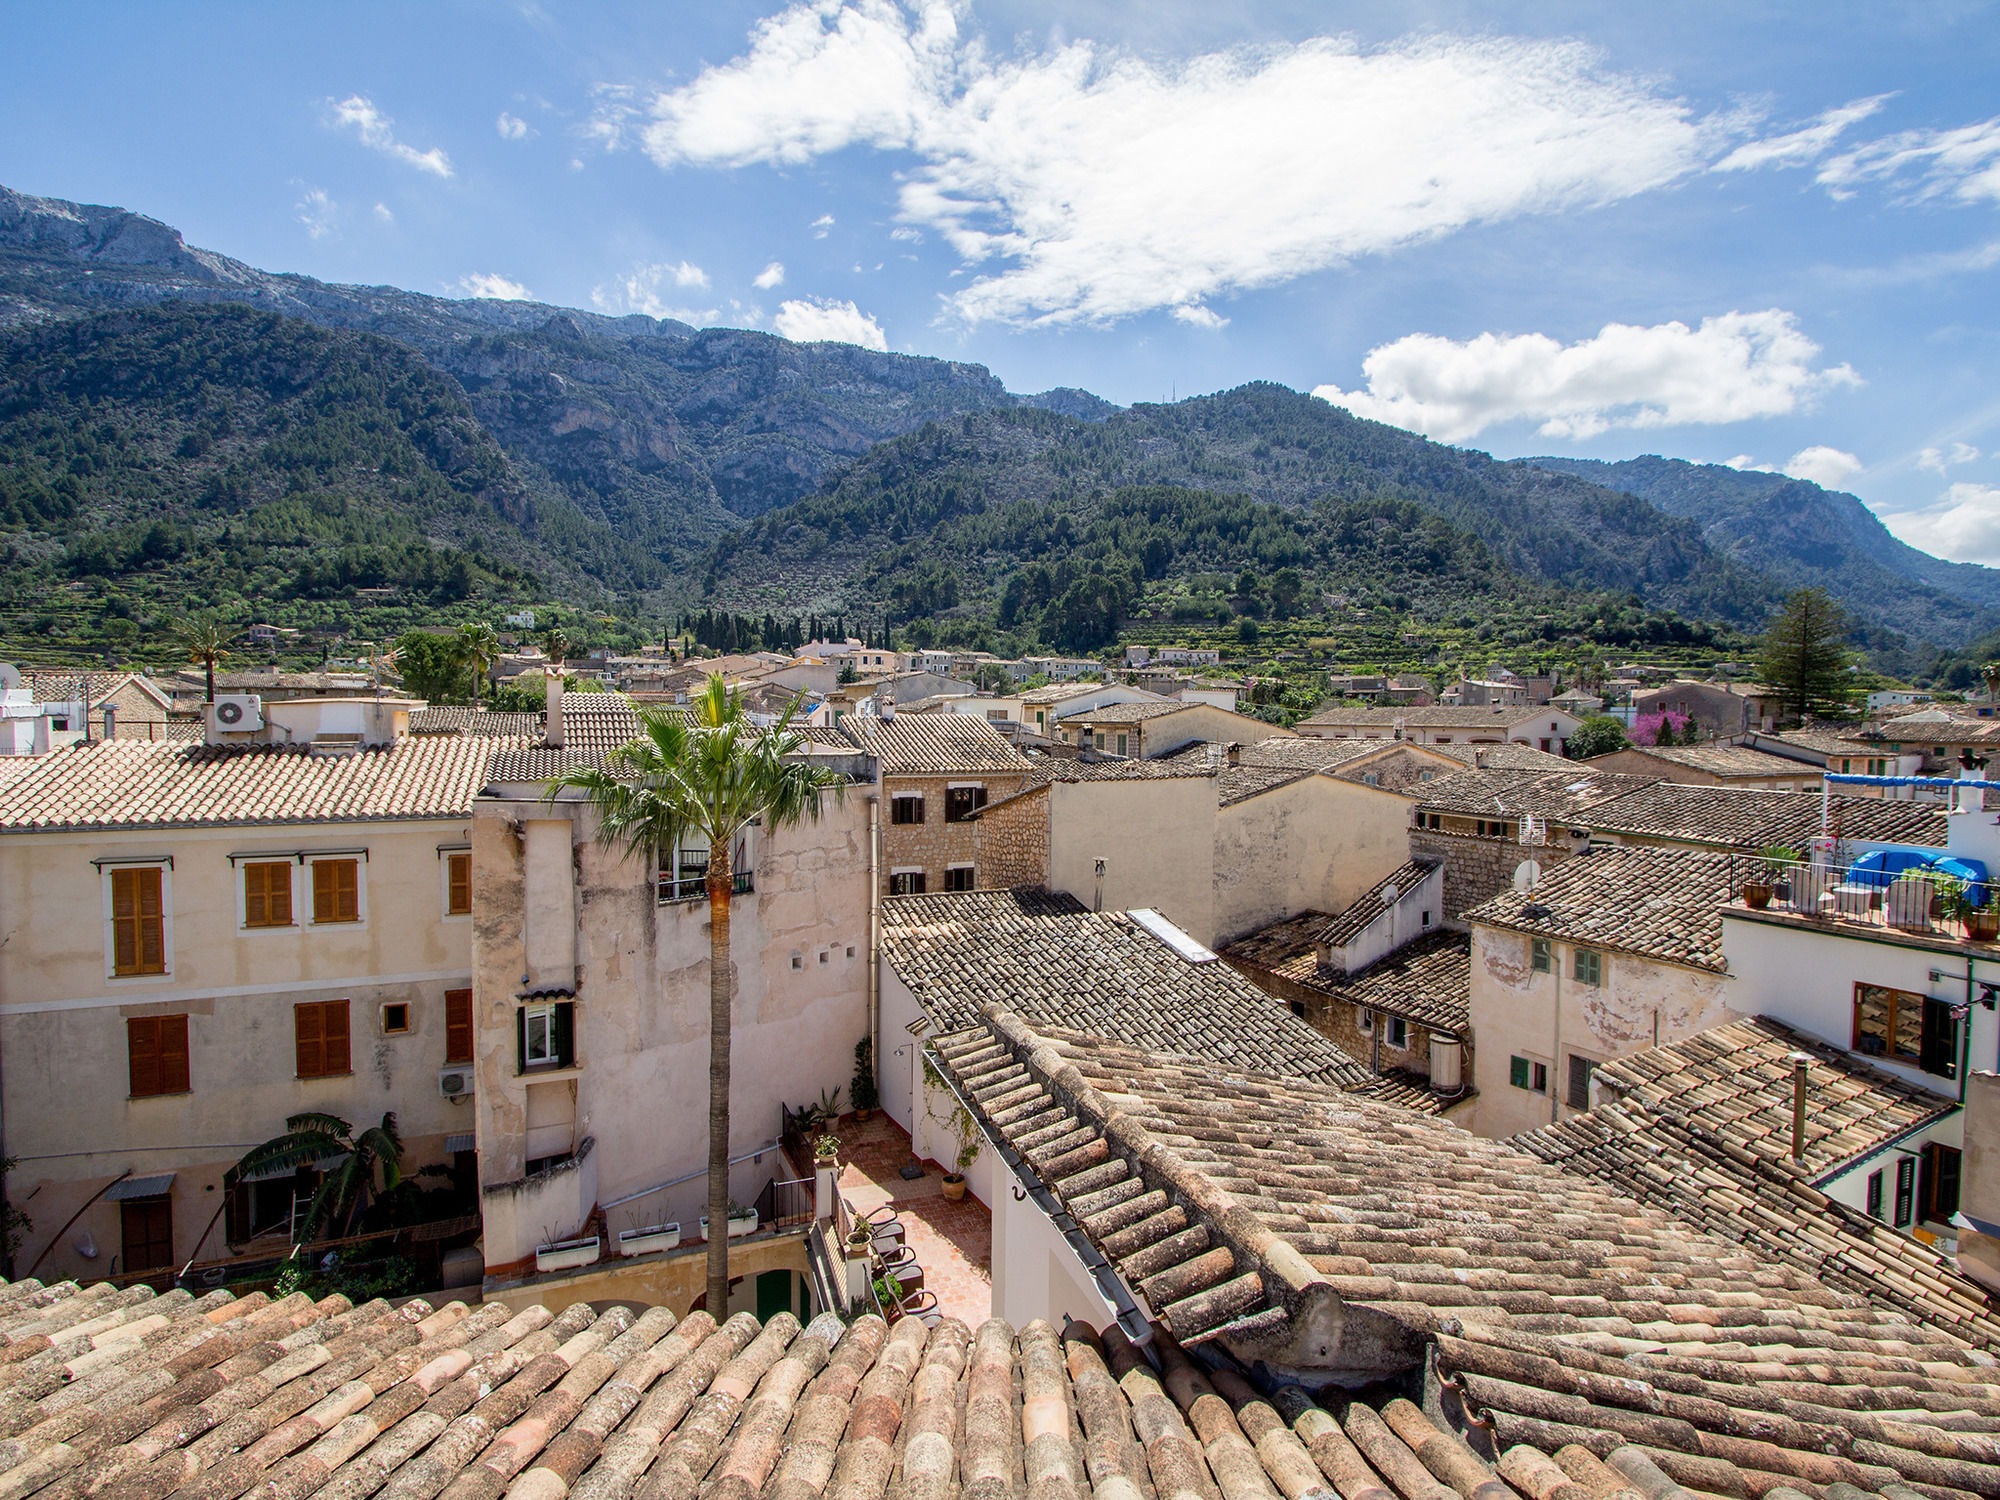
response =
{"points": [[1316, 843], [1550, 1017], [1157, 841], [1204, 721], [1036, 1272], [641, 970], [70, 1123]]}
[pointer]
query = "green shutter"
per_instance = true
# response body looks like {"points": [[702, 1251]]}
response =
{"points": [[1517, 1072]]}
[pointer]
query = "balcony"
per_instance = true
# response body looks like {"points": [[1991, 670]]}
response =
{"points": [[686, 887], [1925, 894]]}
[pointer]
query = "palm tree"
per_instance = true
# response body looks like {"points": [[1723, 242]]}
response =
{"points": [[706, 777], [346, 1189], [478, 648], [206, 640], [556, 646]]}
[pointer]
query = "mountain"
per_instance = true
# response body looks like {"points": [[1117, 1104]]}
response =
{"points": [[1798, 533]]}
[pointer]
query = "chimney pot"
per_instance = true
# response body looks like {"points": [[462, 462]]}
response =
{"points": [[1801, 1069], [552, 733]]}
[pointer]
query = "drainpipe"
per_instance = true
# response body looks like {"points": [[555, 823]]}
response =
{"points": [[1801, 1065], [875, 931], [1556, 1046]]}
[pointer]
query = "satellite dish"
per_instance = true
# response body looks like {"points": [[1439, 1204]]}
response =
{"points": [[1526, 874]]}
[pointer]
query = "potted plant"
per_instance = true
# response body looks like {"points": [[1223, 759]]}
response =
{"points": [[890, 1296], [1779, 862], [1982, 923], [968, 1153], [566, 1255], [861, 1089], [826, 1150], [649, 1239], [742, 1221]]}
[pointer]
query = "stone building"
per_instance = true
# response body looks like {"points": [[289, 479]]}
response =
{"points": [[1521, 724], [937, 771]]}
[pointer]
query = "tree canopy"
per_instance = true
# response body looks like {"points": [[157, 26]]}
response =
{"points": [[1804, 654]]}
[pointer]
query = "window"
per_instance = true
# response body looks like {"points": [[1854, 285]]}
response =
{"points": [[458, 885], [958, 877], [1906, 1190], [1121, 744], [395, 1018], [1371, 778], [267, 893], [1395, 1031], [1433, 822], [156, 1055], [336, 890], [1580, 1069], [1541, 957], [1427, 776], [546, 1035], [1426, 917], [1365, 1019], [1524, 1073], [146, 1230], [319, 1039], [1906, 1027], [457, 1026], [1588, 967], [684, 869], [263, 1207], [906, 807], [138, 922], [1941, 1169], [1875, 1194], [961, 802], [906, 883]]}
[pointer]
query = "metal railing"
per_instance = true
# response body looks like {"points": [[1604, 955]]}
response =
{"points": [[1869, 891], [785, 1204], [695, 887]]}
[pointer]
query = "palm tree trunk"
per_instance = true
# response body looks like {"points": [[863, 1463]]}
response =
{"points": [[720, 879], [209, 663]]}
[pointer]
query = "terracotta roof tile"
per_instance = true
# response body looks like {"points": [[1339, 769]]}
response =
{"points": [[1499, 792], [1662, 904], [1427, 981], [1723, 760], [465, 719], [1436, 716], [1729, 817], [934, 743]]}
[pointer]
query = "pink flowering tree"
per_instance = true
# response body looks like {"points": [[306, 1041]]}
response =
{"points": [[1663, 728]]}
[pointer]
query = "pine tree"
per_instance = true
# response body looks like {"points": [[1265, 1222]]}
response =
{"points": [[1804, 654]]}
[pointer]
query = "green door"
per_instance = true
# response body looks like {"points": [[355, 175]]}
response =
{"points": [[774, 1294]]}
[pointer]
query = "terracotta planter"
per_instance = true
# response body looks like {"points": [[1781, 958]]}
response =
{"points": [[954, 1186], [1756, 895], [863, 1116], [1982, 926]]}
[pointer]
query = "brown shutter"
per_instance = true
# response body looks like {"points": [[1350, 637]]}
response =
{"points": [[138, 941], [459, 876], [334, 1026], [336, 890], [152, 935], [267, 895], [173, 1035], [458, 1026], [256, 911], [142, 1051], [309, 1039]]}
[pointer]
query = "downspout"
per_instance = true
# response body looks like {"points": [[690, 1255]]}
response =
{"points": [[875, 931], [1556, 1046]]}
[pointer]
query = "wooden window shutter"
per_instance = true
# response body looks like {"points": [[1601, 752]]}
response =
{"points": [[138, 936], [521, 1039], [458, 879], [336, 890], [267, 894], [309, 1038], [458, 1026], [564, 1038], [335, 1028], [173, 1052], [1939, 1048], [142, 1051]]}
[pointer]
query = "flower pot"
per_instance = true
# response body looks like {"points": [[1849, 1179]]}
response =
{"points": [[1982, 926], [863, 1116], [566, 1255], [649, 1240], [954, 1186], [1756, 895], [738, 1227]]}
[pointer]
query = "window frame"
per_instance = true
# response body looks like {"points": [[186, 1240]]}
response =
{"points": [[317, 862], [1906, 1192], [323, 1011], [1595, 978], [956, 872], [1936, 1029], [957, 796], [161, 1030], [558, 1036], [382, 1025], [1872, 1195], [1541, 956], [1528, 1075], [900, 880], [1572, 1078], [1396, 1033], [1936, 1205], [163, 869], [899, 802], [453, 860], [243, 895]]}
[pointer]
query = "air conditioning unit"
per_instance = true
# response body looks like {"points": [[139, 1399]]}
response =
{"points": [[233, 713], [455, 1083]]}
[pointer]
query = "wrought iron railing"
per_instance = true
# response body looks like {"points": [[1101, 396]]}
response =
{"points": [[695, 887], [1887, 890], [785, 1204]]}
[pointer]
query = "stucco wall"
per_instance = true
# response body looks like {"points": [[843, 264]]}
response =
{"points": [[641, 1066], [1156, 839], [1035, 1272], [64, 1066], [1515, 1012], [1315, 843]]}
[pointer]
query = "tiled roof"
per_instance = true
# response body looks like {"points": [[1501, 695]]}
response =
{"points": [[1437, 716], [1129, 713], [57, 685], [292, 1398], [1510, 756], [1541, 1310], [1057, 692], [1736, 817], [1495, 792], [594, 724], [1701, 1128], [1235, 784], [1344, 928], [934, 743], [145, 784], [1045, 956], [1829, 741], [1309, 753], [1427, 980], [465, 719], [1662, 904], [1166, 768], [1722, 760]]}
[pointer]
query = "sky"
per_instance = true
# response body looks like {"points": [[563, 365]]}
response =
{"points": [[1766, 235]]}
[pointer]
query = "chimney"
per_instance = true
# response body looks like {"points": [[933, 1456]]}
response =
{"points": [[1233, 753], [552, 733], [110, 722], [1801, 1067], [1478, 759]]}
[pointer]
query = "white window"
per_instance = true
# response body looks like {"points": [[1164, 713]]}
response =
{"points": [[538, 1036], [1365, 1019], [1396, 1031]]}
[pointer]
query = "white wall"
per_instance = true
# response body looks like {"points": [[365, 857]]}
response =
{"points": [[1315, 844], [1156, 837], [1035, 1272], [1403, 922]]}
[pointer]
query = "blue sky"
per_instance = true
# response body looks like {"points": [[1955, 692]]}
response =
{"points": [[1768, 235]]}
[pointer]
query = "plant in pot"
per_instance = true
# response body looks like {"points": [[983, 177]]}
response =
{"points": [[1780, 864], [826, 1150], [1982, 922], [890, 1295], [958, 1124], [861, 1088]]}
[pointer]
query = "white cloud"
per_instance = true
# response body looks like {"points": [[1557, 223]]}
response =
{"points": [[512, 127], [907, 235], [1937, 460], [1798, 147], [492, 284], [1095, 184], [376, 131], [1962, 163], [814, 319], [318, 212], [1964, 526], [651, 288], [1827, 467], [772, 275], [1734, 366], [383, 215], [821, 225], [1200, 317]]}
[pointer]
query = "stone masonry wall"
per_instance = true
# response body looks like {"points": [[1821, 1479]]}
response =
{"points": [[1477, 869], [1339, 1022], [933, 845], [1011, 843]]}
